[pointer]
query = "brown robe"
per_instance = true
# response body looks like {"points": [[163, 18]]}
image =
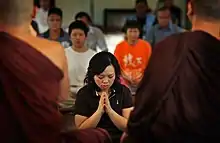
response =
{"points": [[178, 100], [29, 86]]}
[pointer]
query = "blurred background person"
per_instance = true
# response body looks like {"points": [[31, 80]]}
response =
{"points": [[176, 12], [33, 22], [42, 14], [95, 38], [133, 55], [144, 16], [164, 28], [55, 31]]}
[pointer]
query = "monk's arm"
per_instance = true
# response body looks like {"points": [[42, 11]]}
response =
{"points": [[64, 84]]}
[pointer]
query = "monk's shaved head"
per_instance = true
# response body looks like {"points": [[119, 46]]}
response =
{"points": [[15, 12], [206, 8]]}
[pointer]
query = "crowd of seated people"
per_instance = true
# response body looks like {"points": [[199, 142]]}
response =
{"points": [[174, 80], [33, 77], [148, 20], [150, 27], [47, 22], [104, 85]]}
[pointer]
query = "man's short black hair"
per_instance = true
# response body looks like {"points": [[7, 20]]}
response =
{"points": [[131, 24], [56, 11], [78, 24], [83, 14], [141, 1], [163, 9], [207, 9]]}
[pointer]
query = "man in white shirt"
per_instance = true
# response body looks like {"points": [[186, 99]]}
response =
{"points": [[78, 56]]}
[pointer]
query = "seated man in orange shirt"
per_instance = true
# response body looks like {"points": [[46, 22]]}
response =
{"points": [[133, 55]]}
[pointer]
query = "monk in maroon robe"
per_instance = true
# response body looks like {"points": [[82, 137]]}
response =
{"points": [[33, 79], [178, 100]]}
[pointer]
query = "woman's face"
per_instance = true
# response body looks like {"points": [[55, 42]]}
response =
{"points": [[105, 80]]}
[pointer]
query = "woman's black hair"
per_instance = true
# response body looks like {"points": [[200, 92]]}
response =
{"points": [[98, 64]]}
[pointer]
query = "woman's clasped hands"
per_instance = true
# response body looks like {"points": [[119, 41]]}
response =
{"points": [[104, 104]]}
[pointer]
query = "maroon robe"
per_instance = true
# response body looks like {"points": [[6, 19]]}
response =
{"points": [[178, 100], [29, 86]]}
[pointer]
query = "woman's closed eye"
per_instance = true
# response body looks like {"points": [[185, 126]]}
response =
{"points": [[110, 76], [100, 77]]}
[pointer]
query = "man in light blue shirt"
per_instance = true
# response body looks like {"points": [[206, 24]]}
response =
{"points": [[164, 28], [95, 38]]}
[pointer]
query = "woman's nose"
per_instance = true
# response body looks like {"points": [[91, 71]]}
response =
{"points": [[105, 80]]}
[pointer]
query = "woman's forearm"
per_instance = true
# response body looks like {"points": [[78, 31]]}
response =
{"points": [[119, 121], [92, 121]]}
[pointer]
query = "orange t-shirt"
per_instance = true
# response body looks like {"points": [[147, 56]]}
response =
{"points": [[133, 59]]}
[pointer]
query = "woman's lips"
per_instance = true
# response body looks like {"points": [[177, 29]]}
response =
{"points": [[104, 86]]}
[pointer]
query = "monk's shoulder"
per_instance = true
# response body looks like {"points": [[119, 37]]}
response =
{"points": [[48, 43], [172, 41], [171, 46], [52, 50]]}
